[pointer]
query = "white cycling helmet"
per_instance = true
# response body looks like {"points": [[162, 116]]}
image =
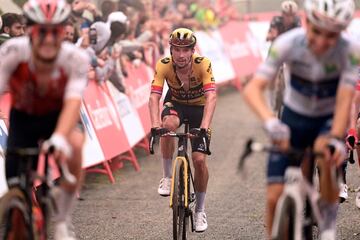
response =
{"points": [[117, 17], [103, 34], [47, 11], [289, 7], [332, 15]]}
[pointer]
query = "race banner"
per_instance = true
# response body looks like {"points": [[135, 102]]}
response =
{"points": [[138, 86], [240, 47], [128, 115], [92, 152], [105, 119], [211, 45]]}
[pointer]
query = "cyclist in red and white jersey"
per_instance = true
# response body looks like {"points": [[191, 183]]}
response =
{"points": [[46, 77]]}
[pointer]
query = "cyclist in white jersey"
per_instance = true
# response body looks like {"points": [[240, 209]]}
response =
{"points": [[323, 73], [46, 78]]}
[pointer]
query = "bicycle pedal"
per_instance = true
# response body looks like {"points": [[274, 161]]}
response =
{"points": [[192, 197]]}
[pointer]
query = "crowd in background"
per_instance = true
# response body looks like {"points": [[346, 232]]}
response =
{"points": [[128, 30]]}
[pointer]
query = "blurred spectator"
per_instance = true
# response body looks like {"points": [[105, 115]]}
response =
{"points": [[13, 26], [226, 11], [107, 7], [70, 33], [204, 14], [83, 14]]}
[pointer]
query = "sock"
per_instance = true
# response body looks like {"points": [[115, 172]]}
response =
{"points": [[200, 201], [65, 202], [167, 168], [329, 213]]}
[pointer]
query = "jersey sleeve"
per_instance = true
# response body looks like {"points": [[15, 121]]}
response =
{"points": [[79, 62], [350, 75], [159, 76], [276, 57], [11, 54], [207, 76]]}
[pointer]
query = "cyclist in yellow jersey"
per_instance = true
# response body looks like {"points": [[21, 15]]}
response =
{"points": [[192, 96]]}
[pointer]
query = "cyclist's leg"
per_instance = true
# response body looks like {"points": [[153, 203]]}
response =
{"points": [[329, 189], [76, 140], [171, 119], [201, 175], [65, 195], [276, 167]]}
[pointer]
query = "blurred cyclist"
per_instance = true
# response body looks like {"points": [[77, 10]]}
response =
{"points": [[288, 20], [323, 73], [46, 77]]}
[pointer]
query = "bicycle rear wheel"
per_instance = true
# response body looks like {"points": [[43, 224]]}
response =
{"points": [[284, 229], [16, 215], [180, 222]]}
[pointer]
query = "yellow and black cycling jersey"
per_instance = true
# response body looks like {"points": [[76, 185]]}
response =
{"points": [[201, 80]]}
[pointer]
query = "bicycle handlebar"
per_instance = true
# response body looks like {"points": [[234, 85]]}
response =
{"points": [[64, 169], [34, 152], [163, 132], [252, 146]]}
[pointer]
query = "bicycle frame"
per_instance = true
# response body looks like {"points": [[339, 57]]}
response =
{"points": [[182, 158], [297, 190], [24, 184], [298, 193]]}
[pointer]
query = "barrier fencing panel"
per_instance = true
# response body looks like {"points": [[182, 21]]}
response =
{"points": [[114, 122]]}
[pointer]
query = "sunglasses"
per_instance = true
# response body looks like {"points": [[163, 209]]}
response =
{"points": [[43, 31]]}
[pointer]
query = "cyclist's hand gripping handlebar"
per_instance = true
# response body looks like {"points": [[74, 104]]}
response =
{"points": [[203, 134], [68, 176], [154, 133]]}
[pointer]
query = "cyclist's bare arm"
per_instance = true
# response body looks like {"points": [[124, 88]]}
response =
{"points": [[154, 107], [254, 96], [354, 109], [75, 87], [69, 116], [344, 99], [156, 92], [209, 109]]}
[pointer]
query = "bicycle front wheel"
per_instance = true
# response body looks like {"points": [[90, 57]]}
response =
{"points": [[178, 203], [16, 215], [284, 227]]}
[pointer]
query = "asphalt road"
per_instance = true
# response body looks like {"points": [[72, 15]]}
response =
{"points": [[132, 209]]}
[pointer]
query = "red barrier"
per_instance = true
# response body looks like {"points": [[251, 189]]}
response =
{"points": [[106, 121], [244, 58], [138, 84]]}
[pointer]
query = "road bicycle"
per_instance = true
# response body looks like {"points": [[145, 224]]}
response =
{"points": [[298, 209], [182, 194], [24, 209]]}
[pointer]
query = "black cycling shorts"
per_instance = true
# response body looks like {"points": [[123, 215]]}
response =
{"points": [[193, 114], [26, 131]]}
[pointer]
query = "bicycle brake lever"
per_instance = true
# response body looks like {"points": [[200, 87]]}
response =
{"points": [[151, 144], [247, 151]]}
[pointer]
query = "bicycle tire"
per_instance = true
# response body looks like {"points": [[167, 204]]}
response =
{"points": [[285, 230], [16, 216], [178, 203]]}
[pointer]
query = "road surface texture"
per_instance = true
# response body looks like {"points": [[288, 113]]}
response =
{"points": [[132, 209]]}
